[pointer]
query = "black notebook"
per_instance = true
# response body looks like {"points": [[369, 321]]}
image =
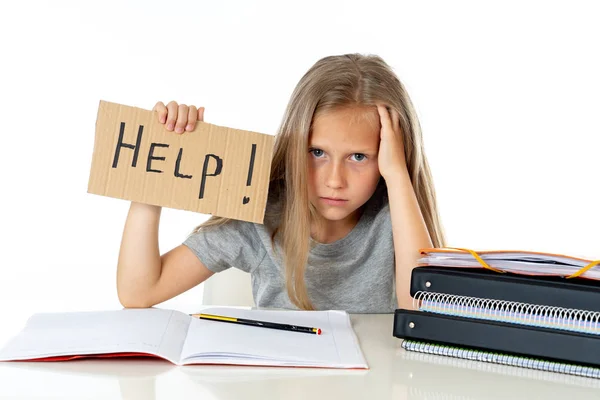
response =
{"points": [[547, 323], [554, 291]]}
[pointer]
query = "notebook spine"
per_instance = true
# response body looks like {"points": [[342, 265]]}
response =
{"points": [[549, 291], [499, 358], [531, 341], [509, 311]]}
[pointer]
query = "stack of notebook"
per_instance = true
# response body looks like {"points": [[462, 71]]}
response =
{"points": [[525, 309]]}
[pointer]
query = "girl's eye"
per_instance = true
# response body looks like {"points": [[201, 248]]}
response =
{"points": [[317, 152], [359, 157]]}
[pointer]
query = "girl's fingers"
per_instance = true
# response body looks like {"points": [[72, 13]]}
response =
{"points": [[182, 116], [178, 117], [192, 116], [172, 108], [384, 116], [396, 121], [161, 109]]}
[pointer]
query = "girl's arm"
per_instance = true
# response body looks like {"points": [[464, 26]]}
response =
{"points": [[144, 277], [409, 230]]}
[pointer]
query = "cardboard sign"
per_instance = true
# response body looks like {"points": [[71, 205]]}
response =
{"points": [[212, 170]]}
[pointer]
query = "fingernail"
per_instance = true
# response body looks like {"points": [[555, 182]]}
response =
{"points": [[163, 119], [170, 126], [188, 128], [179, 130]]}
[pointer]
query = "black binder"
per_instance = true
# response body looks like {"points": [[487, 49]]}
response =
{"points": [[577, 293], [529, 341]]}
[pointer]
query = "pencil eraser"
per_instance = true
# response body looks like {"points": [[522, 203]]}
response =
{"points": [[318, 331]]}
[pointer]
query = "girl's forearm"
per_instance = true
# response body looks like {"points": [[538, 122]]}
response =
{"points": [[139, 265], [409, 232]]}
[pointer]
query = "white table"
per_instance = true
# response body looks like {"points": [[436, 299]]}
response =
{"points": [[394, 374]]}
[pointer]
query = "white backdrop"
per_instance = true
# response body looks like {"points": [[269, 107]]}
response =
{"points": [[507, 93]]}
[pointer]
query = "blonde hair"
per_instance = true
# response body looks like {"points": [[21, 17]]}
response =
{"points": [[335, 82]]}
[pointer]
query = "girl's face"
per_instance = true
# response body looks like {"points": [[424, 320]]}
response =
{"points": [[343, 170]]}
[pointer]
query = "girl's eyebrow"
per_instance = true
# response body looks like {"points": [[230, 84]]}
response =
{"points": [[354, 151]]}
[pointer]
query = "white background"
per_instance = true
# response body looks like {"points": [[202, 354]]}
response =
{"points": [[507, 93]]}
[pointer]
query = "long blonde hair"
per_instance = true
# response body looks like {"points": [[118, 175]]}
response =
{"points": [[335, 82]]}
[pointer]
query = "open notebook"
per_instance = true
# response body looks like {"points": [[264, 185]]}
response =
{"points": [[182, 339]]}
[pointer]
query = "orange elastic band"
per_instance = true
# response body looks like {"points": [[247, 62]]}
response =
{"points": [[584, 269], [483, 263]]}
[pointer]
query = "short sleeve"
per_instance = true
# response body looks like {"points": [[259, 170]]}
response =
{"points": [[233, 244]]}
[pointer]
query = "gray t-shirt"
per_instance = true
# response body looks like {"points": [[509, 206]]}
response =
{"points": [[355, 273]]}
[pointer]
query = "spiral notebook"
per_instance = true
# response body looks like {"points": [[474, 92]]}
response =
{"points": [[480, 315], [547, 290], [423, 365], [508, 343]]}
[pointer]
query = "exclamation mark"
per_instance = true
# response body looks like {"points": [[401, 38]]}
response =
{"points": [[245, 200]]}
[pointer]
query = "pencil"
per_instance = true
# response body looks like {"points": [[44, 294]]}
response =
{"points": [[261, 324]]}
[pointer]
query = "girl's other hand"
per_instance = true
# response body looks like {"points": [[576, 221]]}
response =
{"points": [[178, 117], [391, 158]]}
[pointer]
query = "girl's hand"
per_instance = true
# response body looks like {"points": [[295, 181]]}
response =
{"points": [[179, 117], [391, 158]]}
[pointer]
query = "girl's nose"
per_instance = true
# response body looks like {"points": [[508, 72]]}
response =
{"points": [[335, 176]]}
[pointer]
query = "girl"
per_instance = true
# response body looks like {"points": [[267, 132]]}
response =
{"points": [[351, 202]]}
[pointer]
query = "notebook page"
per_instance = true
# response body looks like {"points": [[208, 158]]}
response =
{"points": [[221, 342], [516, 266], [538, 258], [153, 331]]}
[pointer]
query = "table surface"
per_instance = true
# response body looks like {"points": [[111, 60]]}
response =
{"points": [[394, 374]]}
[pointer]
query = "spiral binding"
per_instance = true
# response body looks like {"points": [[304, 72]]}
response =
{"points": [[500, 358], [509, 311], [499, 369]]}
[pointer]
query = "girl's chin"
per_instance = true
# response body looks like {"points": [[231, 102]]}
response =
{"points": [[330, 214]]}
